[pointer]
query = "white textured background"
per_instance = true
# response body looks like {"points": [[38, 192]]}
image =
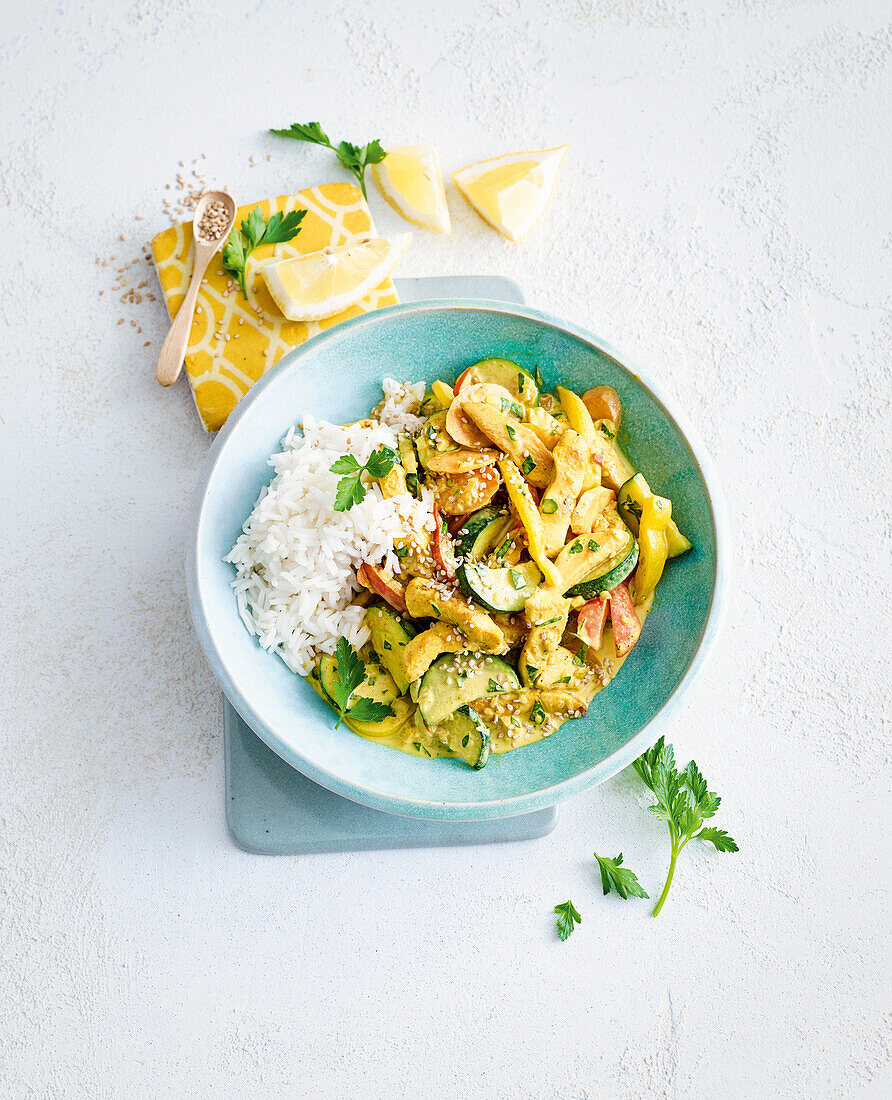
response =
{"points": [[724, 216]]}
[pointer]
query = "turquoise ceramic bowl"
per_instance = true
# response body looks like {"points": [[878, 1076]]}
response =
{"points": [[337, 376]]}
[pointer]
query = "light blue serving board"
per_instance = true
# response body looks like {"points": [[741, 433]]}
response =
{"points": [[272, 809]]}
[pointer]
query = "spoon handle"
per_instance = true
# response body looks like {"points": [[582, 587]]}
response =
{"points": [[173, 351]]}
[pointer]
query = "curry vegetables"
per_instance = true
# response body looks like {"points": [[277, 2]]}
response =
{"points": [[523, 598]]}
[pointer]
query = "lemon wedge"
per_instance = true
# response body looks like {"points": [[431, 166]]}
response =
{"points": [[321, 284], [409, 178], [512, 191]]}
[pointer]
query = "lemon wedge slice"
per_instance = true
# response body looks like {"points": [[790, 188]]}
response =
{"points": [[512, 191], [321, 284], [409, 178]]}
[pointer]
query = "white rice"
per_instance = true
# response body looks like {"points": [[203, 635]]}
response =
{"points": [[297, 557]]}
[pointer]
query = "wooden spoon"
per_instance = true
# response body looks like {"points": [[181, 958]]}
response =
{"points": [[206, 245]]}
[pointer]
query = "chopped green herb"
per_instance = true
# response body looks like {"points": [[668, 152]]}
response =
{"points": [[512, 434], [537, 714], [517, 580], [495, 686], [537, 375], [387, 645], [548, 622], [607, 431], [528, 465], [580, 656], [618, 878], [520, 381], [548, 507], [355, 158], [568, 918], [401, 551], [350, 488], [593, 546], [563, 680], [532, 672], [253, 233], [435, 610]]}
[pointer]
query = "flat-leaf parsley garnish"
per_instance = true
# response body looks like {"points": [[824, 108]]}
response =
{"points": [[683, 802], [350, 676], [350, 488], [568, 918], [254, 232], [621, 879], [355, 158]]}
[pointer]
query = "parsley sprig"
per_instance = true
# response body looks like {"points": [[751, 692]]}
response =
{"points": [[350, 488], [568, 918], [683, 802], [254, 232], [355, 158], [351, 676], [621, 879]]}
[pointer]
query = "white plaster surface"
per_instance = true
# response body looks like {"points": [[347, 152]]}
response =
{"points": [[724, 216]]}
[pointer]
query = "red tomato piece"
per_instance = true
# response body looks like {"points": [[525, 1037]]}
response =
{"points": [[459, 380], [591, 618], [372, 577], [626, 624]]}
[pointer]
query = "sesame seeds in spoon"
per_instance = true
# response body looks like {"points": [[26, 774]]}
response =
{"points": [[214, 218]]}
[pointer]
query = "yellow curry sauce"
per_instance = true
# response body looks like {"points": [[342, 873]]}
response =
{"points": [[500, 627]]}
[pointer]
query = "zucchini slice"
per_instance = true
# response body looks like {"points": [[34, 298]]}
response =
{"points": [[607, 576], [480, 533], [390, 634], [409, 459], [629, 500], [502, 589], [587, 555], [456, 679], [377, 686], [387, 727], [505, 373], [433, 439], [468, 736]]}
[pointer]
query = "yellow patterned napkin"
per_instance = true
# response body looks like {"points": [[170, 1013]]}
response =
{"points": [[231, 347]]}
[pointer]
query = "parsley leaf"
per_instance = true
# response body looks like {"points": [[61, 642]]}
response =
{"points": [[350, 489], [368, 710], [568, 918], [355, 158], [253, 232], [618, 878], [351, 675], [683, 801], [719, 838]]}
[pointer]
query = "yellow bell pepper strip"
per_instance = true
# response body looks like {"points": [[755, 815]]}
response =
{"points": [[529, 516], [631, 497], [580, 421], [443, 393], [653, 546]]}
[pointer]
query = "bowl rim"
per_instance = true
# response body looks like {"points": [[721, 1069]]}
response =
{"points": [[513, 805]]}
